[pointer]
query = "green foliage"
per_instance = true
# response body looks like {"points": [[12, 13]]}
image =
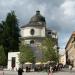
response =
{"points": [[49, 53], [26, 54], [11, 33], [1, 32], [2, 56], [9, 36], [49, 42]]}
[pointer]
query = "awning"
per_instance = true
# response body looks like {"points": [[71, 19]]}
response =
{"points": [[28, 63], [38, 63]]}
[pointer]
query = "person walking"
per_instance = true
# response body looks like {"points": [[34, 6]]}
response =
{"points": [[20, 71], [70, 67], [50, 71]]}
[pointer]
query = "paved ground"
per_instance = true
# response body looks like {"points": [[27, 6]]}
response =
{"points": [[37, 73]]}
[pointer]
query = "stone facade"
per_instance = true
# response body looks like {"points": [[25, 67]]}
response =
{"points": [[70, 50]]}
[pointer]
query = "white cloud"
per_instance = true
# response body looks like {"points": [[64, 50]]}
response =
{"points": [[60, 14], [69, 7]]}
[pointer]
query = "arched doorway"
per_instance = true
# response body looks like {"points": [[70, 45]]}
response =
{"points": [[32, 42]]}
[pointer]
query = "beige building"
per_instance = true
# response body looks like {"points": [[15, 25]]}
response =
{"points": [[70, 50], [62, 59]]}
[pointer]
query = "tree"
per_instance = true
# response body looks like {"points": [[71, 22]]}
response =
{"points": [[11, 33], [2, 56], [26, 54], [49, 53], [1, 32]]}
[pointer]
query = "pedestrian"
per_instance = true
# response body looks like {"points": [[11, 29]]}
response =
{"points": [[70, 67], [20, 71], [50, 71]]}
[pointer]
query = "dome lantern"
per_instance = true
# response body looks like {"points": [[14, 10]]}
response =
{"points": [[37, 12], [37, 17]]}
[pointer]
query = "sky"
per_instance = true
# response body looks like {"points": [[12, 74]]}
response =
{"points": [[59, 14]]}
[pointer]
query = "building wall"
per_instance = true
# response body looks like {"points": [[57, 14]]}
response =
{"points": [[10, 55], [70, 49], [39, 32], [62, 59], [71, 55]]}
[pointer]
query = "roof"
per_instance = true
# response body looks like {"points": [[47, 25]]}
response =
{"points": [[37, 17], [36, 20], [36, 24]]}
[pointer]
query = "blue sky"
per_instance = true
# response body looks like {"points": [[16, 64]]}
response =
{"points": [[59, 14]]}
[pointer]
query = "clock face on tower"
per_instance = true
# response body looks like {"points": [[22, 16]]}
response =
{"points": [[32, 31]]}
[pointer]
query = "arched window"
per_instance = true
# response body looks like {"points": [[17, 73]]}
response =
{"points": [[32, 32]]}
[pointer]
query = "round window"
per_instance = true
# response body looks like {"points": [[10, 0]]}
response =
{"points": [[32, 31]]}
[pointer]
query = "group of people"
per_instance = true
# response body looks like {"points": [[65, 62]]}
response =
{"points": [[50, 70], [54, 68], [20, 71]]}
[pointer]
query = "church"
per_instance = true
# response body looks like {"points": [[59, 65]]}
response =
{"points": [[36, 30], [33, 33]]}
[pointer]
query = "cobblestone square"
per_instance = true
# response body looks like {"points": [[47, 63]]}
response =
{"points": [[37, 73]]}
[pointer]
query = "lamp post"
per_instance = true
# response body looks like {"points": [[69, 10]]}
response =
{"points": [[34, 60], [58, 53]]}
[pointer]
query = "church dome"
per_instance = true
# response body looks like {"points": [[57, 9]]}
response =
{"points": [[37, 21], [37, 17]]}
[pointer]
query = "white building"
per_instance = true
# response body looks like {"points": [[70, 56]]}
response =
{"points": [[36, 30], [33, 34], [13, 59]]}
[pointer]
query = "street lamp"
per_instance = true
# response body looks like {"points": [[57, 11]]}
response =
{"points": [[34, 60]]}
